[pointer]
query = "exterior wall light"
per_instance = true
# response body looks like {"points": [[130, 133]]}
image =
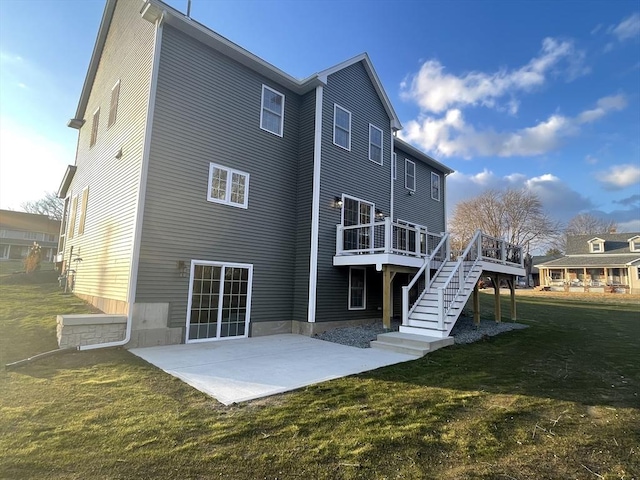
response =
{"points": [[182, 268], [337, 202], [379, 214]]}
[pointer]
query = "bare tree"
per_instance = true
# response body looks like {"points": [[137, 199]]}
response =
{"points": [[515, 215], [584, 224], [49, 205]]}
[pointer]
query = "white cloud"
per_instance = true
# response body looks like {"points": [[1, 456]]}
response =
{"points": [[558, 198], [620, 176], [591, 160], [434, 90], [450, 135], [627, 29]]}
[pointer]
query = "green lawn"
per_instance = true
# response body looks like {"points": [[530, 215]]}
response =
{"points": [[559, 400]]}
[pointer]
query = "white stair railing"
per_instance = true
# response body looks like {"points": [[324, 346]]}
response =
{"points": [[439, 254]]}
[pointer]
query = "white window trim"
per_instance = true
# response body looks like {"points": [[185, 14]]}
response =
{"points": [[227, 200], [249, 266], [360, 200], [633, 241], [394, 166], [335, 125], [434, 174], [84, 200], [364, 293], [600, 247], [95, 125], [406, 175], [381, 162], [262, 109], [110, 122]]}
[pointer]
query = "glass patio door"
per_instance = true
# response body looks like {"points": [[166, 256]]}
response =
{"points": [[357, 213], [219, 301]]}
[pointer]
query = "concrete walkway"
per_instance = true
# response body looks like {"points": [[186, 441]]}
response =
{"points": [[244, 369]]}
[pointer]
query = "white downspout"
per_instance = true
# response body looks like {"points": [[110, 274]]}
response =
{"points": [[135, 254], [393, 167]]}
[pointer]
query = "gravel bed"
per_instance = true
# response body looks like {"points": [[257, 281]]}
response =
{"points": [[464, 332]]}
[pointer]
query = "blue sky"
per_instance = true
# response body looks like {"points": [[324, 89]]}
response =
{"points": [[537, 95]]}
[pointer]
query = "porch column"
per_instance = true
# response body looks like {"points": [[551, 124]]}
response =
{"points": [[512, 288], [476, 305], [386, 296], [496, 296]]}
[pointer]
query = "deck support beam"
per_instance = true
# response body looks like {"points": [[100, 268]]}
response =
{"points": [[387, 278], [476, 305], [495, 279], [512, 290]]}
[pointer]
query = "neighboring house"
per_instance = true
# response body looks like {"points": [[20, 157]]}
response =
{"points": [[535, 271], [596, 263], [216, 196], [19, 230]]}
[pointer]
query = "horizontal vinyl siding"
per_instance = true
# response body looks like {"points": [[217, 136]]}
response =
{"points": [[304, 201], [352, 173], [418, 208], [208, 110], [106, 244]]}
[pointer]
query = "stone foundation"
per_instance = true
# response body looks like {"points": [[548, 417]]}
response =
{"points": [[310, 329], [90, 329]]}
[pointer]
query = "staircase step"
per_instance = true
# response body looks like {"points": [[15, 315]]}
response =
{"points": [[410, 343], [435, 334], [392, 347]]}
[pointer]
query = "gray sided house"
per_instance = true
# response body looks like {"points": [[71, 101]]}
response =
{"points": [[215, 196]]}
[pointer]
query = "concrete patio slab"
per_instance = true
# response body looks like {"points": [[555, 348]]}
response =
{"points": [[244, 369]]}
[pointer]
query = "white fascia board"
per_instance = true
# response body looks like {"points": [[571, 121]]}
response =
{"points": [[368, 65], [420, 155]]}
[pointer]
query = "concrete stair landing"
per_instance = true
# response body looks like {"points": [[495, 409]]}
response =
{"points": [[410, 343]]}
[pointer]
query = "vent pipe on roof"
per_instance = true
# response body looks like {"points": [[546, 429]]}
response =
{"points": [[189, 8]]}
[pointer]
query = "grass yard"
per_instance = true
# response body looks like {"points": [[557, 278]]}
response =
{"points": [[559, 400]]}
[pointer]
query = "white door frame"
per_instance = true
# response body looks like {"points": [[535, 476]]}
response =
{"points": [[248, 266]]}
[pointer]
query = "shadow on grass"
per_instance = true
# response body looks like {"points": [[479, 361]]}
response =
{"points": [[585, 353]]}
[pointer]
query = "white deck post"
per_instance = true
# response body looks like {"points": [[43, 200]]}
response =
{"points": [[405, 305], [388, 235], [503, 251], [339, 240], [441, 308]]}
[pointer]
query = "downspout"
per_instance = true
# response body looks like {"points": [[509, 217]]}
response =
{"points": [[393, 167], [315, 206], [144, 168]]}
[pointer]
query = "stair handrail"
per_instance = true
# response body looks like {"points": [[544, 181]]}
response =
{"points": [[443, 309], [406, 310]]}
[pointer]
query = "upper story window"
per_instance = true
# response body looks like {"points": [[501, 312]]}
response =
{"points": [[435, 186], [94, 128], [113, 107], [228, 186], [394, 166], [596, 245], [272, 111], [83, 210], [30, 235], [375, 144], [634, 244], [409, 175], [341, 127]]}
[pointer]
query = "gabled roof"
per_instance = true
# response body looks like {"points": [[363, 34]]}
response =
{"points": [[614, 243], [413, 151], [152, 10], [595, 239], [592, 261], [631, 239], [66, 181], [28, 222]]}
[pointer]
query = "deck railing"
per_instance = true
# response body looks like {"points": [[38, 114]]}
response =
{"points": [[386, 237]]}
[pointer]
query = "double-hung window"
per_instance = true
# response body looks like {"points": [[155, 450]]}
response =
{"points": [[341, 127], [409, 175], [272, 111], [375, 144], [435, 186], [357, 288], [228, 186], [83, 210]]}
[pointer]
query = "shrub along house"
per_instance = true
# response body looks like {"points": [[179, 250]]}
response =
{"points": [[215, 196], [596, 263]]}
